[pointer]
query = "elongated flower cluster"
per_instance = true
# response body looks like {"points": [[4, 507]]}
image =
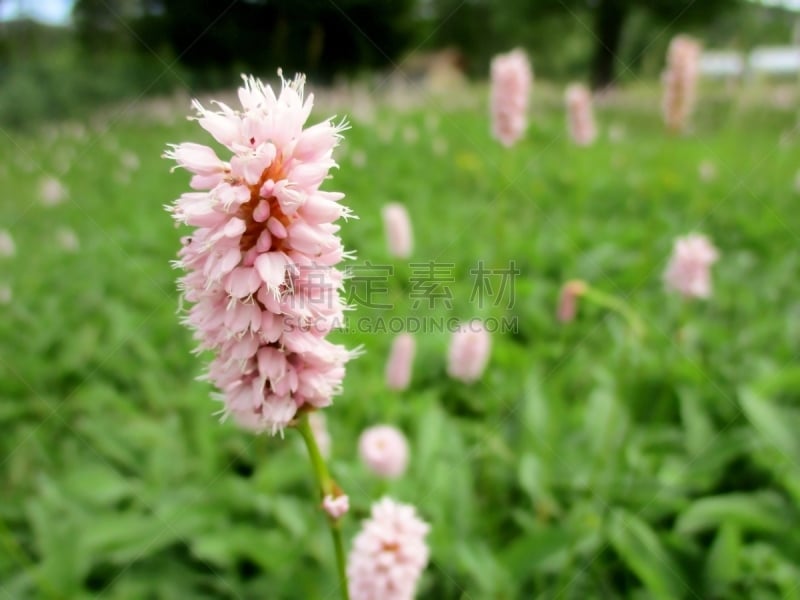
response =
{"points": [[469, 352], [397, 224], [400, 362], [689, 268], [680, 81], [580, 117], [389, 554], [260, 263], [512, 79]]}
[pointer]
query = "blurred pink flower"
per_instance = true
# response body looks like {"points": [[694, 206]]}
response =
{"points": [[580, 117], [389, 553], [680, 81], [689, 268], [384, 450], [336, 507], [400, 363], [568, 301], [7, 246], [397, 225], [260, 262], [52, 191], [511, 82], [469, 352]]}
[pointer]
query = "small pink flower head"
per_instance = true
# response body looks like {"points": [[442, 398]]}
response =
{"points": [[259, 265], [389, 554], [336, 507], [400, 363], [568, 301], [707, 171], [384, 450], [469, 352], [52, 191], [680, 81], [319, 427], [580, 117], [689, 268], [511, 82], [397, 226], [7, 247]]}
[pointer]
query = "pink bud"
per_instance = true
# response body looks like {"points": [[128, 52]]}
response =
{"points": [[384, 450], [397, 225], [680, 81], [469, 352], [568, 301], [580, 117], [336, 507], [400, 363]]}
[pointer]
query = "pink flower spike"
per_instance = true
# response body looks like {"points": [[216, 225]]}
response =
{"points": [[384, 450], [680, 81], [689, 268], [400, 363], [336, 507], [241, 261], [511, 82], [397, 225], [389, 554], [580, 117], [469, 352], [568, 301]]}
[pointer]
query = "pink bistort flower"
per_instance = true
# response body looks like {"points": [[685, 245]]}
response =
{"points": [[336, 507], [400, 363], [397, 226], [689, 268], [511, 83], [384, 450], [260, 261], [7, 246], [680, 81], [580, 117], [388, 554], [469, 352], [568, 300]]}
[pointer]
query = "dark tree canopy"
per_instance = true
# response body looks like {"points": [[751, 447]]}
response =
{"points": [[317, 36], [483, 27]]}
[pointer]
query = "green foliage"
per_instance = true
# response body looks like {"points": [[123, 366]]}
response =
{"points": [[587, 463]]}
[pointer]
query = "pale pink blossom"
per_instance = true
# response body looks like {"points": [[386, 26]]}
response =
{"points": [[689, 268], [389, 554], [397, 226], [568, 300], [707, 171], [680, 81], [67, 239], [580, 116], [384, 450], [319, 427], [260, 263], [400, 363], [511, 82], [469, 352], [52, 191], [5, 293], [7, 246], [336, 507]]}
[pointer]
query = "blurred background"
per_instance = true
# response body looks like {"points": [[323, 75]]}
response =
{"points": [[62, 57], [646, 448]]}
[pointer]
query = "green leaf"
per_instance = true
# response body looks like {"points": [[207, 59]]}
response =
{"points": [[644, 554], [762, 511], [772, 426], [722, 563]]}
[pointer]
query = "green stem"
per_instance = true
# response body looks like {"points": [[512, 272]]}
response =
{"points": [[615, 304], [327, 487]]}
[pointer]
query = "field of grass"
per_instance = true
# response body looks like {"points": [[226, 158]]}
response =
{"points": [[588, 462]]}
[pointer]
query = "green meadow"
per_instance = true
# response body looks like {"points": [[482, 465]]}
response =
{"points": [[591, 460]]}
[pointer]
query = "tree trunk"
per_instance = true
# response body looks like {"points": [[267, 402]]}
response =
{"points": [[608, 24]]}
